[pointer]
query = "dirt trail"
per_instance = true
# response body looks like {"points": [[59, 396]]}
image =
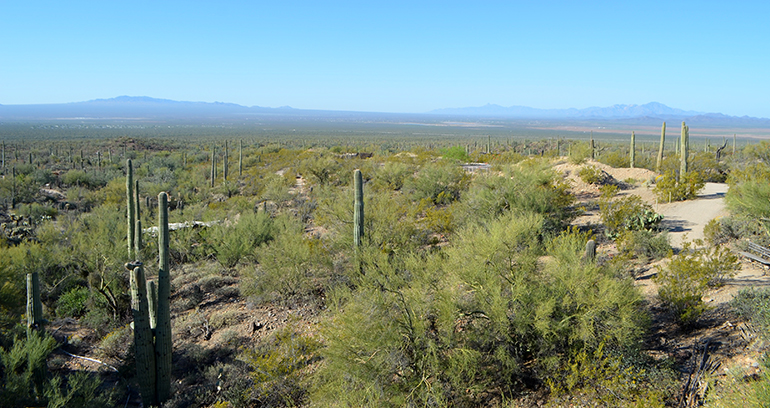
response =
{"points": [[689, 217]]}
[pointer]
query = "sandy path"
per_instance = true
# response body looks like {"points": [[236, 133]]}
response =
{"points": [[689, 217]]}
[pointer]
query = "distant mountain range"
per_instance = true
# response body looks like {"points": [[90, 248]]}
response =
{"points": [[652, 109], [147, 108]]}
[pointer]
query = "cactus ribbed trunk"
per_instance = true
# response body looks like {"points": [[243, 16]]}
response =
{"points": [[152, 303], [684, 150], [358, 209], [163, 319], [34, 305], [213, 165], [632, 157], [660, 149], [131, 208], [143, 342], [138, 229], [224, 165], [593, 147], [590, 254]]}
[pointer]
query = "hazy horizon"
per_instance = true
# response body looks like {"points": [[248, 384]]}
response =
{"points": [[391, 57]]}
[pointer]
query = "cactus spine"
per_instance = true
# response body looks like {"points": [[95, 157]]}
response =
{"points": [[684, 149], [163, 319], [34, 305], [660, 149], [145, 353], [358, 209], [131, 208], [633, 149]]}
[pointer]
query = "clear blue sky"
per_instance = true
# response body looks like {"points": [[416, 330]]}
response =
{"points": [[391, 56]]}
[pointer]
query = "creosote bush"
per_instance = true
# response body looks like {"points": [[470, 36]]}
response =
{"points": [[628, 213], [668, 189], [684, 281]]}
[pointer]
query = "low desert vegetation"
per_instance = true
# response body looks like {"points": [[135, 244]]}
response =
{"points": [[466, 289]]}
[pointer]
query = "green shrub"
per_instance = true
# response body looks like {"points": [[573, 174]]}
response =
{"points": [[668, 189], [754, 305], [683, 282], [232, 243], [37, 212], [278, 368], [439, 183], [579, 153], [73, 303], [644, 244], [592, 175], [391, 176], [456, 153], [627, 213]]}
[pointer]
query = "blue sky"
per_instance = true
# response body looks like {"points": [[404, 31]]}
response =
{"points": [[391, 56]]}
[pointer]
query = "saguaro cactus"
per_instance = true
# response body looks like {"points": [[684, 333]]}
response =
{"points": [[358, 209], [224, 166], [590, 254], [632, 157], [213, 165], [593, 147], [240, 158], [138, 229], [34, 305], [660, 149], [684, 149], [143, 342], [163, 319], [131, 208]]}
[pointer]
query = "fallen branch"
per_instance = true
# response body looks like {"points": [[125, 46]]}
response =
{"points": [[89, 359]]}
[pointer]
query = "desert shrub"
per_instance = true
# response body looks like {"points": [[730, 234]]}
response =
{"points": [[291, 266], [37, 212], [117, 344], [592, 175], [232, 243], [456, 153], [470, 318], [439, 183], [278, 368], [73, 303], [79, 178], [615, 158], [391, 176], [683, 282], [644, 244], [754, 305], [627, 213], [531, 188], [579, 153], [605, 378], [668, 189], [749, 198]]}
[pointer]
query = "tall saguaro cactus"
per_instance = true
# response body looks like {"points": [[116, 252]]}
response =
{"points": [[593, 147], [143, 342], [34, 305], [632, 157], [684, 150], [660, 149], [131, 208], [358, 209], [138, 229], [224, 166], [213, 165], [163, 319]]}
